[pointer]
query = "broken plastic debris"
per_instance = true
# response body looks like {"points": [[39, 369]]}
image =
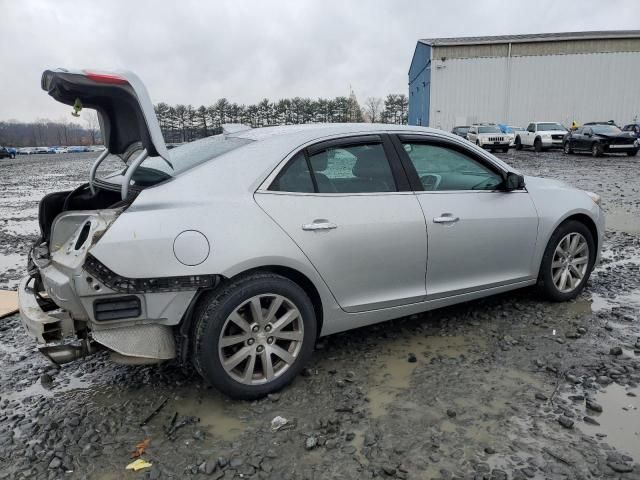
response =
{"points": [[138, 464], [278, 422], [140, 448], [554, 331]]}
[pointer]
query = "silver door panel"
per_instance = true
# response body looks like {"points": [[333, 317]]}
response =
{"points": [[369, 248], [478, 240]]}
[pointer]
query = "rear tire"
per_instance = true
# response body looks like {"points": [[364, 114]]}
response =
{"points": [[596, 149], [555, 266], [235, 322], [537, 145]]}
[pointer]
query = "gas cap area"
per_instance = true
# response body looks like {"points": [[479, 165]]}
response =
{"points": [[191, 247]]}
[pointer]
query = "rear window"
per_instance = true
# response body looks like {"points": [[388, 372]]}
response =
{"points": [[489, 130], [550, 126], [191, 154]]}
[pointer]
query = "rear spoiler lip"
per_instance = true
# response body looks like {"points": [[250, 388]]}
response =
{"points": [[125, 88]]}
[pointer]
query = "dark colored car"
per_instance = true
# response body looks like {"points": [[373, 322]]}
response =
{"points": [[599, 139], [461, 131], [608, 122], [633, 128], [6, 153]]}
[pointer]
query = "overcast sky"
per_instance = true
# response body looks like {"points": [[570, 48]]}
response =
{"points": [[196, 51]]}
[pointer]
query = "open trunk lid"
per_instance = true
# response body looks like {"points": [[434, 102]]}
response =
{"points": [[124, 108]]}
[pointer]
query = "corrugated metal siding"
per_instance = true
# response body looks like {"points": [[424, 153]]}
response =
{"points": [[420, 86], [563, 88], [565, 47]]}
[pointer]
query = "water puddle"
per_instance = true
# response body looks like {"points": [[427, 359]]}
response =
{"points": [[393, 373], [21, 227], [73, 385], [217, 414], [619, 420], [621, 221], [10, 261]]}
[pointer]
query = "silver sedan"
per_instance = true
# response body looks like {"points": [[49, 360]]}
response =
{"points": [[236, 252]]}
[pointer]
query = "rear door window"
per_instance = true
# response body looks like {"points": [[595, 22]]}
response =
{"points": [[360, 168], [294, 177], [353, 169]]}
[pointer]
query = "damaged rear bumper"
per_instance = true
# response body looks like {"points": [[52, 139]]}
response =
{"points": [[59, 334], [41, 325]]}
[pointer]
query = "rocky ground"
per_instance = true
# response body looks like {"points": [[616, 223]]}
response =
{"points": [[509, 387]]}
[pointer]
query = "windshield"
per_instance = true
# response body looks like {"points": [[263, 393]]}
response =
{"points": [[549, 126], [462, 129], [489, 130], [605, 130]]}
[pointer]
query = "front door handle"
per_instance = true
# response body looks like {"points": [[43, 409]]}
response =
{"points": [[446, 218], [319, 225]]}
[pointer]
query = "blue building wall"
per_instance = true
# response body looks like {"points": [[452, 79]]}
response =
{"points": [[420, 85]]}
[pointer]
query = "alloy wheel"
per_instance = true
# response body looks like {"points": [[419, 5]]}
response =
{"points": [[570, 262], [261, 339]]}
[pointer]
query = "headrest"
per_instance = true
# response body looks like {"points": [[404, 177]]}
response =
{"points": [[319, 161], [370, 162]]}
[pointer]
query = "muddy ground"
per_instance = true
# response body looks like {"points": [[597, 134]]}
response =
{"points": [[506, 387]]}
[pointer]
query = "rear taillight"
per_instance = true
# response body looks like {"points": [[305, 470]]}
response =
{"points": [[108, 78]]}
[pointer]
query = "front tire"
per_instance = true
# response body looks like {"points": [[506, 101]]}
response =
{"points": [[567, 148], [253, 335], [518, 143], [633, 153], [596, 149], [567, 262], [537, 145]]}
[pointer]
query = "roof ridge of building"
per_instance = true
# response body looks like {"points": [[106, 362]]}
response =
{"points": [[532, 37]]}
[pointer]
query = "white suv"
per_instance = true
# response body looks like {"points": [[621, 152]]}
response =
{"points": [[489, 137], [541, 135]]}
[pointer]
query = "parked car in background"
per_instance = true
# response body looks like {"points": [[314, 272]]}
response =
{"points": [[61, 150], [632, 127], [13, 151], [96, 148], [25, 151], [158, 260], [599, 139], [489, 137], [510, 131], [78, 149], [461, 131], [608, 122], [5, 153], [541, 136]]}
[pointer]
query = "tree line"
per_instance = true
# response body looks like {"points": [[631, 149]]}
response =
{"points": [[185, 123]]}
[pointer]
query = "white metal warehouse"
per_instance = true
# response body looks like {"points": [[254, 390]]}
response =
{"points": [[517, 79]]}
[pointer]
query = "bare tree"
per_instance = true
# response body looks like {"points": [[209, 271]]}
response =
{"points": [[92, 125], [372, 109]]}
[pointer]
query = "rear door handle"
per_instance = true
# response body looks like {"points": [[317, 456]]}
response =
{"points": [[446, 218], [319, 225]]}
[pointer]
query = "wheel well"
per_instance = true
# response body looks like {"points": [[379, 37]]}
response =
{"points": [[304, 282], [588, 222]]}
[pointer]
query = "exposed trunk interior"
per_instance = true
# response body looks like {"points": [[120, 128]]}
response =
{"points": [[81, 198]]}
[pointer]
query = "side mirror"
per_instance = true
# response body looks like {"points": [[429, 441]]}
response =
{"points": [[513, 181]]}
